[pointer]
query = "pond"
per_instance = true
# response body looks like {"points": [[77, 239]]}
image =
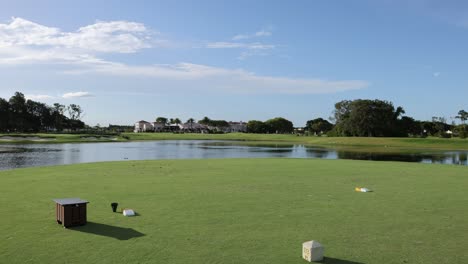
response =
{"points": [[31, 155]]}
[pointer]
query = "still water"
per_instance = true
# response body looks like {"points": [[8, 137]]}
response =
{"points": [[30, 155]]}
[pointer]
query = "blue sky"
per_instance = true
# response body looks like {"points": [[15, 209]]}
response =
{"points": [[235, 60]]}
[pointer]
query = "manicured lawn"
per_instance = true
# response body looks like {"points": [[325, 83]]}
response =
{"points": [[41, 138], [238, 211], [431, 143], [382, 144]]}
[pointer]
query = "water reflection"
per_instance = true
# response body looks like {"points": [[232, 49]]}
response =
{"points": [[19, 156]]}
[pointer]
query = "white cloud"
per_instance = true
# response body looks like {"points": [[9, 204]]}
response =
{"points": [[436, 74], [240, 37], [23, 42], [38, 96], [261, 33], [250, 49], [113, 36], [225, 80], [236, 45], [77, 95]]}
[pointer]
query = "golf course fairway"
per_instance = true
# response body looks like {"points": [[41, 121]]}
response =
{"points": [[238, 211]]}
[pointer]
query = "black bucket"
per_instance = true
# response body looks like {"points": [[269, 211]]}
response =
{"points": [[114, 207]]}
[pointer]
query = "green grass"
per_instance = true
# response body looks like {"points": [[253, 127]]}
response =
{"points": [[238, 211], [369, 142], [373, 144], [58, 138]]}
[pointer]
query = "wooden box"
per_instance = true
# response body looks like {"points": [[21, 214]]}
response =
{"points": [[70, 211]]}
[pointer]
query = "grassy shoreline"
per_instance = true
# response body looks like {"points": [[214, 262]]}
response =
{"points": [[238, 211], [333, 142]]}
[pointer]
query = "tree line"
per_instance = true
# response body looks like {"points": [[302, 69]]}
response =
{"points": [[19, 114], [367, 118], [360, 118], [378, 118]]}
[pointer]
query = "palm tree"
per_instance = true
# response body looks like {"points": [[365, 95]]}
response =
{"points": [[191, 121], [177, 121], [205, 121], [463, 116]]}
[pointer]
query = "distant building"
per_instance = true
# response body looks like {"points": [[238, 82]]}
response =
{"points": [[236, 127], [195, 128], [143, 126], [158, 127]]}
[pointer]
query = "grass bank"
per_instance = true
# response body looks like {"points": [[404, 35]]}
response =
{"points": [[238, 211], [42, 138], [406, 143], [384, 144]]}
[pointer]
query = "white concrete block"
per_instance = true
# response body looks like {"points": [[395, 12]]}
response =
{"points": [[312, 251]]}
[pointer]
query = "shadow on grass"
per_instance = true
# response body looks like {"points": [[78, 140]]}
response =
{"points": [[327, 260], [116, 232]]}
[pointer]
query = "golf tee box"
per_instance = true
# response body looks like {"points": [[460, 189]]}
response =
{"points": [[312, 251]]}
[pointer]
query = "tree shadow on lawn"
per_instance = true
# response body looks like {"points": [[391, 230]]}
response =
{"points": [[327, 260], [116, 232]]}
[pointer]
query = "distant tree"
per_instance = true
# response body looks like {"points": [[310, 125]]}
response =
{"points": [[74, 112], [59, 119], [219, 123], [4, 115], [205, 121], [25, 115], [18, 112], [366, 118], [37, 115], [463, 116], [214, 124], [255, 126], [190, 121], [279, 125], [161, 120], [408, 126], [318, 126], [177, 121], [439, 124]]}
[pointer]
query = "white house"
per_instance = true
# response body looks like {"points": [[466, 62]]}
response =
{"points": [[143, 126]]}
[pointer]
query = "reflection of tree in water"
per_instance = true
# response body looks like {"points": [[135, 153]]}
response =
{"points": [[318, 153], [464, 158], [281, 149], [460, 158], [406, 157]]}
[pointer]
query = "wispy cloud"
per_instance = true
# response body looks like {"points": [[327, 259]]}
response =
{"points": [[436, 74], [261, 33], [23, 42], [38, 96], [77, 95], [217, 79], [237, 45], [248, 48], [240, 37]]}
